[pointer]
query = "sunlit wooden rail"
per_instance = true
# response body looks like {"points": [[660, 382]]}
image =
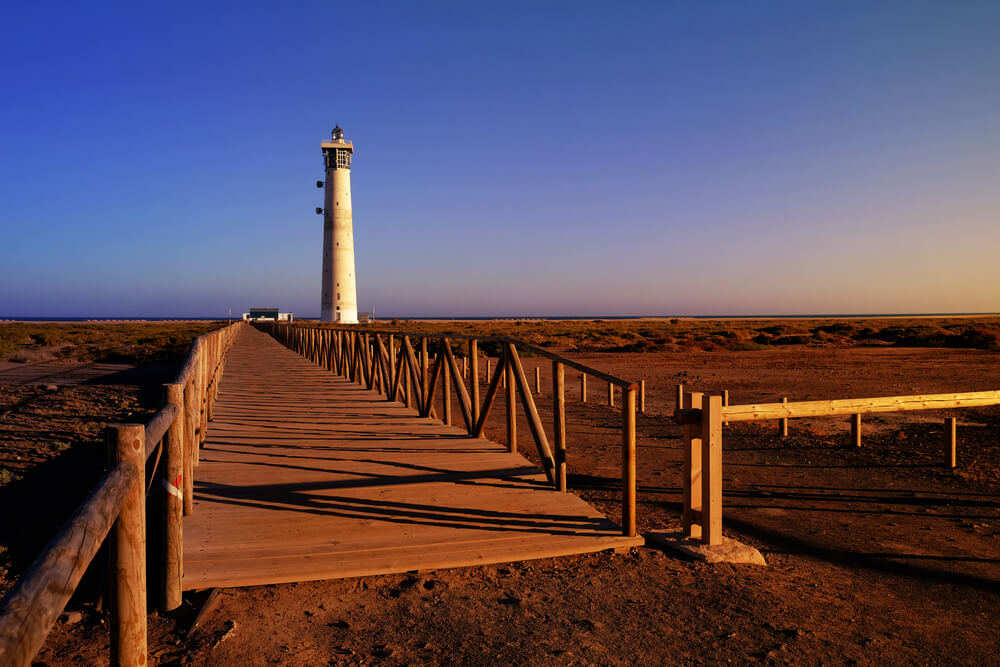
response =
{"points": [[116, 510], [702, 417], [414, 367]]}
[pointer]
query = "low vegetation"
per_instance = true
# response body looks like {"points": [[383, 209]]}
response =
{"points": [[117, 342], [738, 335]]}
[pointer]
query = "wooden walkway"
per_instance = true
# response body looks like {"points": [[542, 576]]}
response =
{"points": [[307, 476]]}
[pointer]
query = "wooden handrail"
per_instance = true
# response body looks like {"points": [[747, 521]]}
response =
{"points": [[31, 607], [116, 506], [157, 426], [851, 406], [190, 362], [534, 349], [703, 417]]}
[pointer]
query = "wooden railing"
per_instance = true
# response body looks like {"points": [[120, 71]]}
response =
{"points": [[117, 506], [702, 417], [399, 365]]}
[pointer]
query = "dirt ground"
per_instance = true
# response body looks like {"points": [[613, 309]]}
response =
{"points": [[878, 555]]}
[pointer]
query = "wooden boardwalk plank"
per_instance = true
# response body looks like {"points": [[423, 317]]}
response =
{"points": [[307, 476]]}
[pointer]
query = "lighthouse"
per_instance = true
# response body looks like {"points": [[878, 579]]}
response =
{"points": [[339, 300]]}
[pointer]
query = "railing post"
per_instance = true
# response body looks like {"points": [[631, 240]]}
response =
{"points": [[642, 397], [783, 422], [392, 369], [559, 422], [190, 439], [474, 385], [202, 387], [173, 503], [583, 387], [446, 384], [950, 441], [680, 397], [128, 552], [489, 369], [331, 351], [856, 429], [210, 377], [628, 462], [508, 375], [538, 381], [406, 381], [691, 469], [424, 380], [711, 465], [611, 395]]}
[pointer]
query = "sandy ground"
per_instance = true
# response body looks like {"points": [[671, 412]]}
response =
{"points": [[876, 556]]}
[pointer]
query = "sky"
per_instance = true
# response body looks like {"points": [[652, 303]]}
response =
{"points": [[511, 158]]}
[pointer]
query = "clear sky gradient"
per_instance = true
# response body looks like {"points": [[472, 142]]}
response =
{"points": [[536, 158]]}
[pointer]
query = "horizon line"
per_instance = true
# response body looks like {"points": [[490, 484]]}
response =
{"points": [[764, 316]]}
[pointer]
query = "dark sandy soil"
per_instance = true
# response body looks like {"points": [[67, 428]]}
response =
{"points": [[875, 556]]}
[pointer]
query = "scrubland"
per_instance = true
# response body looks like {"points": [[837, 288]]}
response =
{"points": [[879, 555]]}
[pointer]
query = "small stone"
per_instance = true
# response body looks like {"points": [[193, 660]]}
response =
{"points": [[71, 617], [51, 387]]}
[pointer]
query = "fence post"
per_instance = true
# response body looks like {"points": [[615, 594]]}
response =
{"points": [[856, 429], [711, 466], [691, 467], [128, 552], [190, 439], [489, 369], [331, 352], [203, 389], [559, 422], [783, 422], [424, 380], [950, 440], [538, 381], [611, 395], [474, 359], [628, 461], [642, 397], [680, 396], [173, 503], [446, 384], [508, 377], [583, 387]]}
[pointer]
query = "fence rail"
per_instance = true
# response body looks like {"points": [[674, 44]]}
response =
{"points": [[702, 417], [400, 365], [116, 510]]}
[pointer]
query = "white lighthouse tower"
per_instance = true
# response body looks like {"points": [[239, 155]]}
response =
{"points": [[339, 301]]}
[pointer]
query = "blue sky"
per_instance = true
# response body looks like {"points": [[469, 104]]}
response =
{"points": [[562, 158]]}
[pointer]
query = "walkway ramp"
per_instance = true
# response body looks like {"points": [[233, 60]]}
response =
{"points": [[305, 475]]}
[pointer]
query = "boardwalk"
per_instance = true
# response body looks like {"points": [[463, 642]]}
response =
{"points": [[307, 476]]}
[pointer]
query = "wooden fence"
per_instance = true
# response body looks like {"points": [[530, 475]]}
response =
{"points": [[400, 366], [702, 417], [116, 508]]}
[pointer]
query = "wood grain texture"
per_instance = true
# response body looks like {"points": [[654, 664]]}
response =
{"points": [[847, 406], [31, 607], [307, 476]]}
